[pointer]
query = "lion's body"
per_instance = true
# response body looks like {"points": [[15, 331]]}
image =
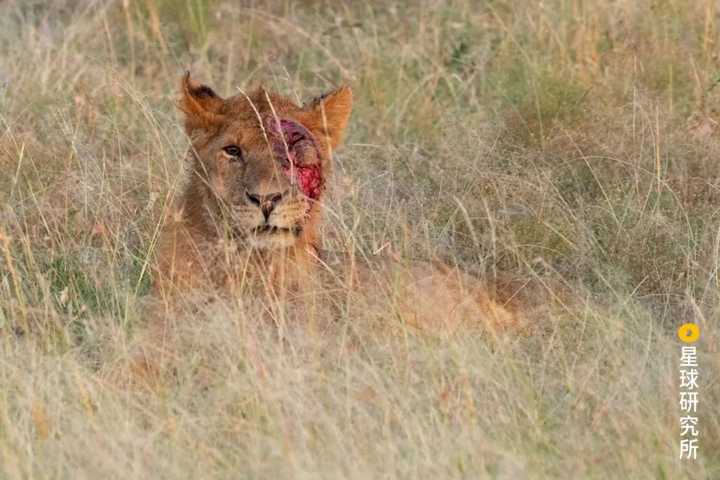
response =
{"points": [[221, 236]]}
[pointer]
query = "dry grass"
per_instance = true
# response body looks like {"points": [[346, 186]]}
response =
{"points": [[573, 142]]}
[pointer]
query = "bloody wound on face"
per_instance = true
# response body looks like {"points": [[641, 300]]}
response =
{"points": [[301, 159]]}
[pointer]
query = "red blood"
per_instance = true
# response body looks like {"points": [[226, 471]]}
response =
{"points": [[293, 143], [310, 181], [308, 178]]}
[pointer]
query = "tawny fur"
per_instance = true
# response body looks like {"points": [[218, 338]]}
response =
{"points": [[198, 251]]}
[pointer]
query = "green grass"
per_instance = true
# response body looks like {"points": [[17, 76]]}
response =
{"points": [[572, 142]]}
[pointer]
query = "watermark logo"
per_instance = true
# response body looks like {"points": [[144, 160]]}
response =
{"points": [[689, 333]]}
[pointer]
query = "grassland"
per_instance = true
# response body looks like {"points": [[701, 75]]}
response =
{"points": [[575, 143]]}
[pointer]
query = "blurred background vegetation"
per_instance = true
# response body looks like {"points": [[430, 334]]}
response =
{"points": [[575, 140]]}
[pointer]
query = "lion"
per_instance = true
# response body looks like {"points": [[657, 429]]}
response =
{"points": [[259, 165], [249, 217], [250, 213]]}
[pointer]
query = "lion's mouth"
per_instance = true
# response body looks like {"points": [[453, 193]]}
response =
{"points": [[267, 230], [269, 237], [272, 229]]}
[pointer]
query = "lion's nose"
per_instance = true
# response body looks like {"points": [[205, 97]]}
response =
{"points": [[266, 202]]}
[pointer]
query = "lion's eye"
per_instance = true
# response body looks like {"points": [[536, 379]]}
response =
{"points": [[233, 151]]}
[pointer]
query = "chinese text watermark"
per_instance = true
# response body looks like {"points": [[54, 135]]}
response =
{"points": [[689, 392]]}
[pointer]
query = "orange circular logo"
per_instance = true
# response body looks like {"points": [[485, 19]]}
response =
{"points": [[689, 332]]}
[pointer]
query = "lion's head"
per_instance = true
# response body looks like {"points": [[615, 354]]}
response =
{"points": [[260, 162]]}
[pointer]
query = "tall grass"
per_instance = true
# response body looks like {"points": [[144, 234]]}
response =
{"points": [[571, 142]]}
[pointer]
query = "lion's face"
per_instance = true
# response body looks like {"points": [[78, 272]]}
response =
{"points": [[261, 161], [264, 187]]}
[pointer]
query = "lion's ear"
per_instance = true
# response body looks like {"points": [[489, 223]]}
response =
{"points": [[330, 114], [200, 104]]}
